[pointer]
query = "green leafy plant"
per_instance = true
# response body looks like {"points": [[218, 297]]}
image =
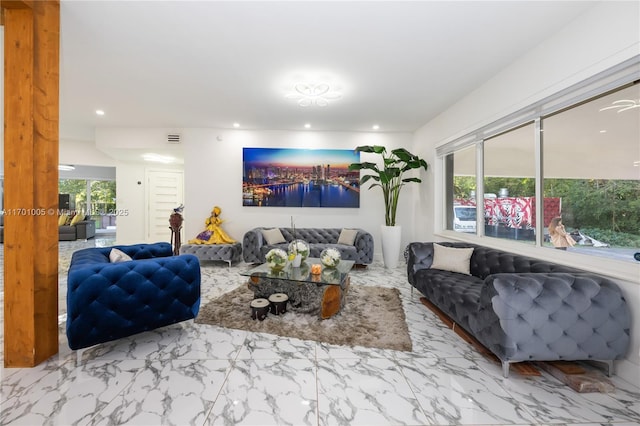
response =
{"points": [[390, 177]]}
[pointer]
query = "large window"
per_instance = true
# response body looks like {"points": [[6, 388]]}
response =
{"points": [[579, 162], [96, 198], [461, 215], [509, 184], [592, 164]]}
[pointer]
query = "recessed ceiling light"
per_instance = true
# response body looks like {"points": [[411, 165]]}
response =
{"points": [[636, 164], [99, 112], [236, 125], [603, 131], [375, 127], [157, 158], [307, 126]]}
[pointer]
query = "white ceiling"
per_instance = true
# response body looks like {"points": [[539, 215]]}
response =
{"points": [[179, 64]]}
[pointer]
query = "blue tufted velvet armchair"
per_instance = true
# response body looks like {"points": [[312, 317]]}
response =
{"points": [[107, 301]]}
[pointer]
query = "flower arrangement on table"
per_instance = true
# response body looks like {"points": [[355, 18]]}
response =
{"points": [[297, 246], [276, 259], [330, 257]]}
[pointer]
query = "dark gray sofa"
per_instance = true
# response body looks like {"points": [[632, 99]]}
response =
{"points": [[254, 246], [525, 309], [82, 230]]}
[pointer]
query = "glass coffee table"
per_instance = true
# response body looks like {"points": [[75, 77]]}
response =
{"points": [[323, 294]]}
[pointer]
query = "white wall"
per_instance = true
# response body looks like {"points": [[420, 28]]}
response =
{"points": [[604, 36], [130, 197], [213, 177], [83, 153]]}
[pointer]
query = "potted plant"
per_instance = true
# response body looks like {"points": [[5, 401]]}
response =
{"points": [[390, 179]]}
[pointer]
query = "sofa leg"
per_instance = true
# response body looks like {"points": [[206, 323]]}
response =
{"points": [[505, 369], [609, 364]]}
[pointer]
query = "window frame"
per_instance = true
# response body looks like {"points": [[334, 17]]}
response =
{"points": [[615, 78]]}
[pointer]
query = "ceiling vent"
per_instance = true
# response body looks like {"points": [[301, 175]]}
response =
{"points": [[174, 138]]}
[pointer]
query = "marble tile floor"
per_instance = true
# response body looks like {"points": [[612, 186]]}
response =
{"points": [[190, 374]]}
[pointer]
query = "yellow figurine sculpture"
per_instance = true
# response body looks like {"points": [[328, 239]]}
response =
{"points": [[213, 234]]}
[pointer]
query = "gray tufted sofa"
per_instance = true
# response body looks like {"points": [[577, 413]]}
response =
{"points": [[525, 309], [254, 246]]}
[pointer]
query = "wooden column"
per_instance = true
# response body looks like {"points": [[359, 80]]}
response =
{"points": [[31, 110]]}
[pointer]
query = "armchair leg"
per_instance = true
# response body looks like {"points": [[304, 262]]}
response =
{"points": [[79, 353]]}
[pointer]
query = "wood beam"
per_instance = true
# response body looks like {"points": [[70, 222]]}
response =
{"points": [[31, 141]]}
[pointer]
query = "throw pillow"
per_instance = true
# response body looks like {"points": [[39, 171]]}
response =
{"points": [[452, 259], [273, 236], [62, 219], [347, 236], [117, 255], [77, 218]]}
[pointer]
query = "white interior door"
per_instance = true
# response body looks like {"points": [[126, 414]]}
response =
{"points": [[165, 192]]}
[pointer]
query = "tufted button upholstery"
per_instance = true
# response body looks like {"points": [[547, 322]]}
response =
{"points": [[522, 308], [108, 301], [254, 247], [225, 252]]}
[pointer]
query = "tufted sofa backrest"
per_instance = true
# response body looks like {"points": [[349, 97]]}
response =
{"points": [[313, 235], [91, 256], [487, 261]]}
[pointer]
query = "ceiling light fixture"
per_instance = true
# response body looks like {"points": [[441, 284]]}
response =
{"points": [[307, 126], [310, 94], [236, 125], [66, 167], [157, 158], [375, 127], [99, 112], [636, 163], [623, 105]]}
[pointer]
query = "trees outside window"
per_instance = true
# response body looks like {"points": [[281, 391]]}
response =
{"points": [[96, 198], [589, 172]]}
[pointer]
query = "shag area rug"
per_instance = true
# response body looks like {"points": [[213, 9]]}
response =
{"points": [[372, 317]]}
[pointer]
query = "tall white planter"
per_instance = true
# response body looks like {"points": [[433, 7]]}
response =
{"points": [[391, 236]]}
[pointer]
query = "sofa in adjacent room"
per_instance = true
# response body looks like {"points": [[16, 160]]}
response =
{"points": [[82, 230], [520, 308], [115, 292], [77, 226], [353, 244]]}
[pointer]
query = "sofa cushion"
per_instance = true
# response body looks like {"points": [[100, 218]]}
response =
{"points": [[455, 294], [62, 220], [77, 218], [347, 236], [452, 259], [117, 255], [346, 252], [273, 236]]}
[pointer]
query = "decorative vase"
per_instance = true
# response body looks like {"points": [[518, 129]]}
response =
{"points": [[299, 247], [297, 260], [276, 259], [330, 257], [391, 238]]}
